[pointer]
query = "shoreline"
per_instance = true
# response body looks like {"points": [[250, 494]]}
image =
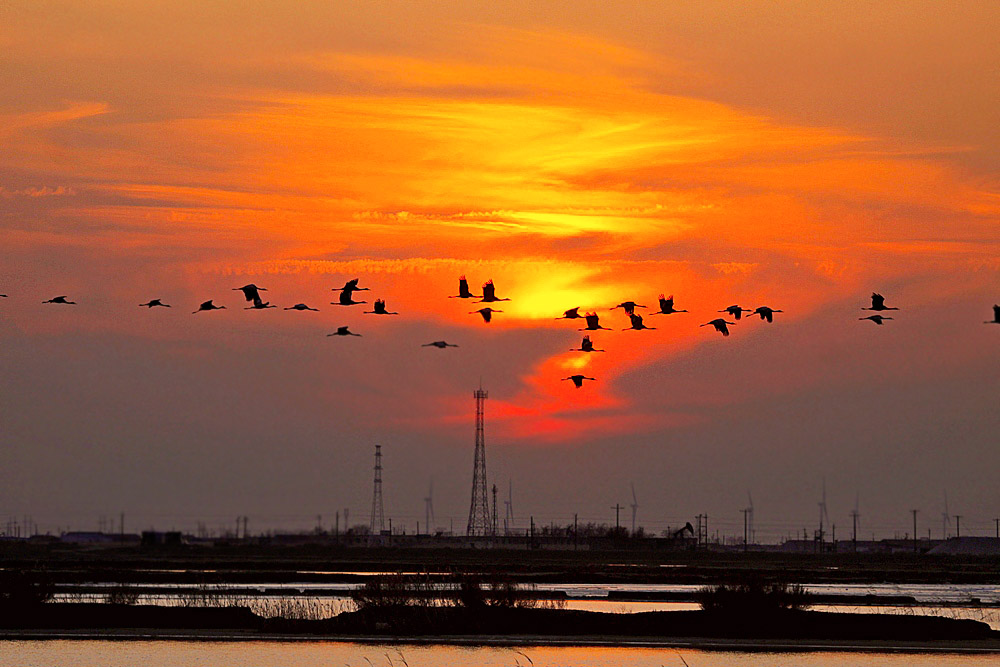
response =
{"points": [[985, 646]]}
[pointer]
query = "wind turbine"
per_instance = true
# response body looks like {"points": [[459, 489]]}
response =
{"points": [[823, 516], [508, 521], [635, 507], [945, 518], [855, 515], [753, 537], [429, 509]]}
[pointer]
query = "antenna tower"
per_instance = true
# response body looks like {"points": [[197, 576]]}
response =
{"points": [[635, 508], [855, 515], [493, 527], [429, 509], [823, 517], [508, 522], [377, 524], [479, 511], [945, 518]]}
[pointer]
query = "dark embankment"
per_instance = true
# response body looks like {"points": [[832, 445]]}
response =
{"points": [[416, 622]]}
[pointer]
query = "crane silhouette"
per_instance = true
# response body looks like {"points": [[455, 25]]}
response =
{"points": [[60, 299], [490, 293], [766, 313], [720, 325], [571, 314], [379, 309], [877, 319], [342, 331], [628, 306], [347, 298], [586, 345], [996, 315], [260, 305], [440, 344], [351, 286], [578, 379], [153, 303], [301, 306], [878, 303], [487, 313], [637, 324], [250, 292], [736, 312], [593, 323], [463, 290], [667, 306], [208, 305]]}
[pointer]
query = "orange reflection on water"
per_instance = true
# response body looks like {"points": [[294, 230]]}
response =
{"points": [[312, 653]]}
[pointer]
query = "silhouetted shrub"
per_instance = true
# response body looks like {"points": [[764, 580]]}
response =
{"points": [[19, 588], [389, 590], [470, 591], [123, 593], [753, 596], [498, 590]]}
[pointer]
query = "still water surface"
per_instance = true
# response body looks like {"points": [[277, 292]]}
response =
{"points": [[57, 653]]}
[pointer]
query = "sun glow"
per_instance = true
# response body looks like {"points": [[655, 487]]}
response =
{"points": [[553, 163]]}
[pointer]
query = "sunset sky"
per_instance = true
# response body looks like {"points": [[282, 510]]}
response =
{"points": [[789, 154]]}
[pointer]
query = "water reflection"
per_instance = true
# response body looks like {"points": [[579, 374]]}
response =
{"points": [[315, 607], [315, 654]]}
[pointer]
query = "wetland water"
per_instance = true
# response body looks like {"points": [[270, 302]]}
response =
{"points": [[947, 600], [139, 653]]}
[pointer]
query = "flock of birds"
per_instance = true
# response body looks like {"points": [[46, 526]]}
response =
{"points": [[252, 295]]}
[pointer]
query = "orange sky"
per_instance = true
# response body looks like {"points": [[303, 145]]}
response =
{"points": [[799, 158]]}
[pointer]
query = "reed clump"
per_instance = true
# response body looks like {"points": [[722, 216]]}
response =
{"points": [[465, 590], [753, 596]]}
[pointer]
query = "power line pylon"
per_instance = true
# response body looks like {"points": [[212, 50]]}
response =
{"points": [[377, 524], [479, 511]]}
